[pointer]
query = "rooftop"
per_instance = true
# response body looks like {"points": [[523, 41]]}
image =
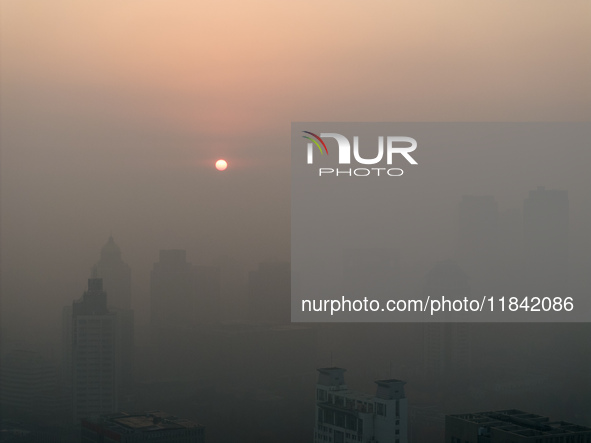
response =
{"points": [[390, 381], [521, 423], [125, 423]]}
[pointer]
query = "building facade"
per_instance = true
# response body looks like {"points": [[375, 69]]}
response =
{"points": [[511, 426], [346, 416], [28, 385], [116, 277], [93, 336]]}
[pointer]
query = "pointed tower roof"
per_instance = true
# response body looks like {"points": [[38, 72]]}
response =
{"points": [[110, 250]]}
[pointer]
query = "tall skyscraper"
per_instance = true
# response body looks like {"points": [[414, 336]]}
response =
{"points": [[546, 227], [346, 416], [116, 276], [91, 362], [96, 374]]}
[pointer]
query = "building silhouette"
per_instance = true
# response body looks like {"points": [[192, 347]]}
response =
{"points": [[345, 416], [513, 426], [93, 336], [207, 296], [479, 243], [148, 427], [546, 249], [171, 290], [28, 386], [116, 275]]}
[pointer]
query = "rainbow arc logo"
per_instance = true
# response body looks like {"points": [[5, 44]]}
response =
{"points": [[316, 142]]}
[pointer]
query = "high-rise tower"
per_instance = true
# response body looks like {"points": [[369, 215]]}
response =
{"points": [[116, 275], [91, 358]]}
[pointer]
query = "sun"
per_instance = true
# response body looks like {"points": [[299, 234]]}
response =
{"points": [[221, 164]]}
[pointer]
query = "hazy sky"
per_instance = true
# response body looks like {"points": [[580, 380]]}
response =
{"points": [[113, 113]]}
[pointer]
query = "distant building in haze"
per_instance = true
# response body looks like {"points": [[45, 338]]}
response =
{"points": [[511, 426], [269, 292], [256, 354], [447, 346], [94, 337], [92, 355], [478, 232], [116, 276], [546, 228], [479, 242], [172, 290], [148, 427], [345, 416], [28, 386], [233, 289], [182, 295], [207, 296]]}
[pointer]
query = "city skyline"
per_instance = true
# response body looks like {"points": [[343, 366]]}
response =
{"points": [[162, 221]]}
